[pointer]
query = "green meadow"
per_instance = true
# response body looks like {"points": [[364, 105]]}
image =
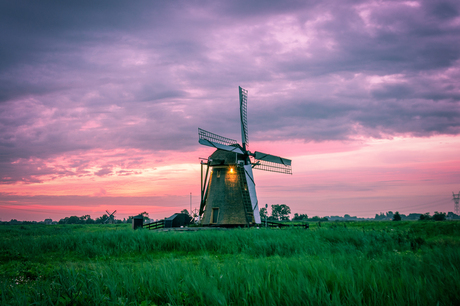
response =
{"points": [[336, 263]]}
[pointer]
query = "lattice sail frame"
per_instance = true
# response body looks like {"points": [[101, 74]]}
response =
{"points": [[272, 167], [244, 117], [203, 134]]}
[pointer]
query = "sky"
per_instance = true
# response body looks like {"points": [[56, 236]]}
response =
{"points": [[100, 103]]}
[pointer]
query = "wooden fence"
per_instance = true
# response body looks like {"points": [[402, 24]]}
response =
{"points": [[154, 225]]}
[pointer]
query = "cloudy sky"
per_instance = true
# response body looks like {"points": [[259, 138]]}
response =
{"points": [[100, 103]]}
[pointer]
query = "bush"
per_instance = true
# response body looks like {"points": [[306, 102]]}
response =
{"points": [[439, 216], [425, 217]]}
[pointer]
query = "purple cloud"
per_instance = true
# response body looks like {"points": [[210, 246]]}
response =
{"points": [[143, 76]]}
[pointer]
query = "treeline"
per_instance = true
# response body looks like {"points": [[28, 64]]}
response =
{"points": [[438, 216], [85, 219], [281, 212], [104, 219]]}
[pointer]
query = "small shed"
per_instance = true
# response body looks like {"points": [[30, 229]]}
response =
{"points": [[138, 221], [178, 220]]}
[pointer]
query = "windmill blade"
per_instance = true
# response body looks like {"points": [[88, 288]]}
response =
{"points": [[204, 187], [220, 146], [219, 142], [252, 192], [244, 117], [272, 158], [214, 138], [272, 167]]}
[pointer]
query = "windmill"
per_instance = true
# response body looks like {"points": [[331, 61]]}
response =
{"points": [[228, 193], [111, 217]]}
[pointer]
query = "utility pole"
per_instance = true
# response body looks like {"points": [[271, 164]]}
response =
{"points": [[456, 198], [190, 203], [266, 215]]}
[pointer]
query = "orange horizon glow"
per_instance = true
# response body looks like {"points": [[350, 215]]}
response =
{"points": [[418, 166]]}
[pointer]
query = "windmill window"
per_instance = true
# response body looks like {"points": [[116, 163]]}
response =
{"points": [[218, 173], [215, 215]]}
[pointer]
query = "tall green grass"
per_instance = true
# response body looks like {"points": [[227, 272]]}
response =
{"points": [[331, 265]]}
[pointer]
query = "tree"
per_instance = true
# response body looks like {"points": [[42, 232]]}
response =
{"points": [[439, 216], [396, 217], [102, 219], [390, 215], [71, 220], [317, 218], [184, 211], [145, 216], [263, 213], [425, 217], [280, 211], [86, 219], [300, 217]]}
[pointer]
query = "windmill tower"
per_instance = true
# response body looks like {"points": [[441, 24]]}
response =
{"points": [[228, 191]]}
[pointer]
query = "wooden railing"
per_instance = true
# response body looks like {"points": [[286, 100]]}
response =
{"points": [[154, 225], [271, 224]]}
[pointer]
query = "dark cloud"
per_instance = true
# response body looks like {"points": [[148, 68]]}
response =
{"points": [[443, 10], [396, 91], [84, 76]]}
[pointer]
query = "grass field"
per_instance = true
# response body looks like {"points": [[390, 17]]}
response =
{"points": [[338, 263]]}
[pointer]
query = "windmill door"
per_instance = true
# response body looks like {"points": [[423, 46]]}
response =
{"points": [[215, 215]]}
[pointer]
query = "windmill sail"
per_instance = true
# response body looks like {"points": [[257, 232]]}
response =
{"points": [[220, 146], [268, 162], [272, 167], [219, 142], [252, 192], [204, 186], [203, 134], [272, 158], [244, 117]]}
